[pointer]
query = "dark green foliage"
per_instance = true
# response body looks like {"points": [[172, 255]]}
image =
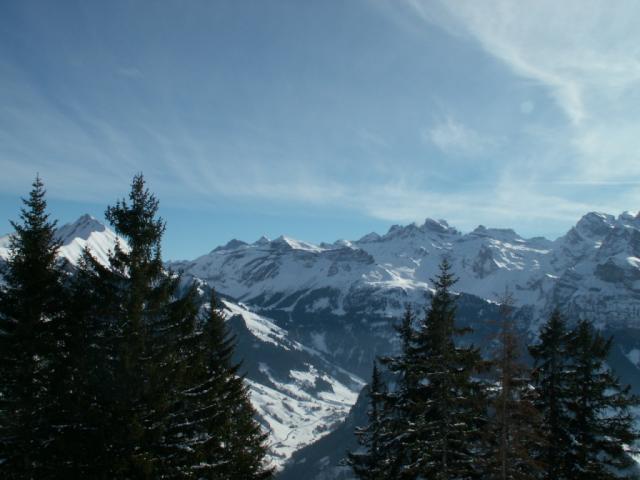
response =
{"points": [[586, 413], [396, 434], [434, 414], [172, 403], [111, 372], [372, 463], [551, 380], [30, 322], [600, 419], [141, 321], [448, 403], [224, 441], [514, 433], [83, 378]]}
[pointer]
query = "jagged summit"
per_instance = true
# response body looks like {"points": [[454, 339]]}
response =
{"points": [[82, 228], [369, 237], [439, 226], [86, 231], [232, 244], [506, 234], [262, 241], [595, 225]]}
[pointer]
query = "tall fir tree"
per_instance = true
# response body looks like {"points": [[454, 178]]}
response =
{"points": [[165, 401], [31, 311], [437, 408], [371, 462], [223, 440], [601, 420], [143, 321], [514, 432], [396, 433], [551, 380], [83, 378], [449, 403]]}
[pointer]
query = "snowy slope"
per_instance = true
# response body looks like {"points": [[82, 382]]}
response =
{"points": [[87, 232], [299, 395]]}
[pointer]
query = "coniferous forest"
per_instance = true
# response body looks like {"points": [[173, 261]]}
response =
{"points": [[109, 371], [438, 410]]}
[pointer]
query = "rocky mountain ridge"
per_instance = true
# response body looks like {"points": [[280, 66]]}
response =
{"points": [[594, 269]]}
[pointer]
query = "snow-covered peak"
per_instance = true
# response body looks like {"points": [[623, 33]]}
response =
{"points": [[438, 226], [293, 244], [82, 228], [370, 237], [402, 231], [86, 231], [262, 241], [595, 226], [502, 234], [629, 216], [233, 244], [343, 243], [430, 228]]}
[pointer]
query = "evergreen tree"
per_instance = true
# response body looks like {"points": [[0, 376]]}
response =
{"points": [[551, 380], [435, 412], [166, 400], [514, 432], [396, 433], [30, 316], [601, 422], [143, 322], [372, 463], [83, 377], [222, 439], [449, 404]]}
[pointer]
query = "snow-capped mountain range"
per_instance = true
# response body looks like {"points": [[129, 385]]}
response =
{"points": [[594, 269], [310, 318]]}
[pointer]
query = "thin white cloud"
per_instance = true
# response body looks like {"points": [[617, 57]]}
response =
{"points": [[455, 138], [129, 72], [576, 47], [586, 53]]}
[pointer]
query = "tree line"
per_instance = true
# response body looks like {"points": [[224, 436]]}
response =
{"points": [[113, 371], [439, 410]]}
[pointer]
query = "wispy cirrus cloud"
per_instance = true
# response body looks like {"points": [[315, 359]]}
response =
{"points": [[579, 49], [454, 138], [586, 55], [504, 113]]}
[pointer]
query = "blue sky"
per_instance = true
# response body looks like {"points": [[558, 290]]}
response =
{"points": [[323, 120]]}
